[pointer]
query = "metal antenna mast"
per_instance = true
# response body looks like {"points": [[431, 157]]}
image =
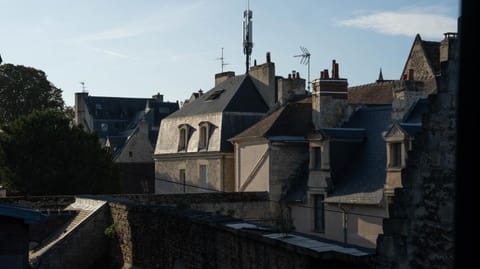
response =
{"points": [[247, 35], [305, 60], [83, 85], [222, 62]]}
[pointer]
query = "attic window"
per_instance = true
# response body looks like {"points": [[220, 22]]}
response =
{"points": [[184, 130], [204, 135], [214, 95]]}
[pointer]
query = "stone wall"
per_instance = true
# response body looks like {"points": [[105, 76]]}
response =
{"points": [[420, 231], [85, 247], [254, 206], [160, 237], [53, 202]]}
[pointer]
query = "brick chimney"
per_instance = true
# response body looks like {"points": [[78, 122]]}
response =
{"points": [[329, 98]]}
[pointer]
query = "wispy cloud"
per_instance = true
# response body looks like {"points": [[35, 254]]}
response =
{"points": [[112, 53], [427, 21], [166, 19]]}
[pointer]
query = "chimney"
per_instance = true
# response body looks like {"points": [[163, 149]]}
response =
{"points": [[158, 97], [291, 87], [410, 74], [445, 44], [325, 73], [221, 77], [263, 76], [334, 75], [337, 76], [255, 62]]}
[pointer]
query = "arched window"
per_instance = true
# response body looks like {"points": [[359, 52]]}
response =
{"points": [[184, 130], [204, 135]]}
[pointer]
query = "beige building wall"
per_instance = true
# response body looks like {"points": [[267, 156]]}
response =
{"points": [[168, 137], [138, 148], [252, 166], [219, 175], [364, 222]]}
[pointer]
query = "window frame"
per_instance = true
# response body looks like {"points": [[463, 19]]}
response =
{"points": [[203, 135]]}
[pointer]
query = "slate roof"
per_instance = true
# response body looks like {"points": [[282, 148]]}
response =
{"points": [[432, 52], [121, 114], [291, 120], [237, 94], [28, 215], [378, 93], [361, 179]]}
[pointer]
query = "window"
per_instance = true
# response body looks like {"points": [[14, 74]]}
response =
{"points": [[318, 214], [130, 154], [203, 142], [182, 179], [184, 131], [317, 157], [204, 135], [203, 177], [395, 154], [183, 139], [214, 95]]}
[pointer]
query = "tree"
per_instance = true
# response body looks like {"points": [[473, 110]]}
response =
{"points": [[24, 89], [46, 155]]}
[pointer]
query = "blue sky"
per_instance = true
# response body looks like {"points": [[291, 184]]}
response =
{"points": [[138, 48]]}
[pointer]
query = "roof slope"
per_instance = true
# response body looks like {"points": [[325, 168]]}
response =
{"points": [[361, 181], [378, 93], [293, 119], [237, 94]]}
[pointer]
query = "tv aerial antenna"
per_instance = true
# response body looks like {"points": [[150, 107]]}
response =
{"points": [[83, 85], [223, 64], [305, 59]]}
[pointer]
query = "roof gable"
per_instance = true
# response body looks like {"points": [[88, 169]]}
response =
{"points": [[293, 119], [236, 94], [424, 58], [395, 131]]}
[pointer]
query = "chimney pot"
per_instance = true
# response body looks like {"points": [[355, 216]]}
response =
{"points": [[289, 76], [336, 71], [325, 71], [298, 75], [268, 57], [255, 62]]}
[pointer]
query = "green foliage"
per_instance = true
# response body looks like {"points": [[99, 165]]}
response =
{"points": [[25, 89], [111, 231], [48, 156]]}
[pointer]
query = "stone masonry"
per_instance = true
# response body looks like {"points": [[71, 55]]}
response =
{"points": [[420, 231]]}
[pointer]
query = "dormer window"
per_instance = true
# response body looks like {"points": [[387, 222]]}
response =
{"points": [[204, 135], [183, 138], [395, 155]]}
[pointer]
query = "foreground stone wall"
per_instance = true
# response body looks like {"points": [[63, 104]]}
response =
{"points": [[161, 237], [420, 231], [254, 206]]}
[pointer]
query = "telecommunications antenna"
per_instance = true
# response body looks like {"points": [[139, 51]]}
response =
{"points": [[247, 35], [305, 59], [223, 64]]}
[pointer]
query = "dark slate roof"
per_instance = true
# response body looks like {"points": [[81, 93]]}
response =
{"points": [[236, 94], [290, 121], [345, 133], [415, 114], [432, 52], [378, 93], [28, 215], [121, 113], [361, 179]]}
